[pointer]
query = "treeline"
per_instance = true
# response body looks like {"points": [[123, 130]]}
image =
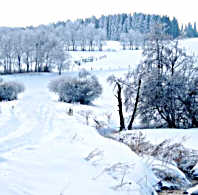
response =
{"points": [[45, 47], [28, 50], [131, 30], [190, 30], [115, 25]]}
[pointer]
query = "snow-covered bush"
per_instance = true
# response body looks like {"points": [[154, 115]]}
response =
{"points": [[171, 162], [55, 84], [83, 88], [171, 176], [168, 151], [10, 90]]}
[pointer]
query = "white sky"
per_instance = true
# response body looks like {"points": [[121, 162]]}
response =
{"points": [[35, 12]]}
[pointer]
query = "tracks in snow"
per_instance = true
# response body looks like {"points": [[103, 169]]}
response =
{"points": [[30, 122]]}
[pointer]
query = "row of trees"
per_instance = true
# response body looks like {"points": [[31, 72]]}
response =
{"points": [[190, 30], [115, 25], [25, 50], [78, 36], [132, 40], [131, 30], [45, 48], [163, 89]]}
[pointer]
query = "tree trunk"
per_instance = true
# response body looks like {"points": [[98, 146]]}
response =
{"points": [[119, 98], [100, 47], [194, 122], [59, 70], [36, 65], [73, 45], [135, 107], [5, 66], [19, 63], [27, 64], [10, 65]]}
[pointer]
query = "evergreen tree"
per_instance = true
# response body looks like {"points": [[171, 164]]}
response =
{"points": [[175, 31]]}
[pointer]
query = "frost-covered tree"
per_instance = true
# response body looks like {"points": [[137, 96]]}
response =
{"points": [[132, 92], [27, 44], [153, 51], [63, 33], [100, 37], [7, 52], [169, 85], [40, 38], [82, 37], [18, 48], [124, 40], [170, 101], [83, 88], [163, 89], [130, 87], [60, 58], [72, 33], [131, 38], [90, 34]]}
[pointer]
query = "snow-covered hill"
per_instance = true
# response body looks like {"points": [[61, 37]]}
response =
{"points": [[45, 151]]}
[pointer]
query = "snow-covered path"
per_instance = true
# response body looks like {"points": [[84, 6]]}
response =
{"points": [[30, 119], [43, 151]]}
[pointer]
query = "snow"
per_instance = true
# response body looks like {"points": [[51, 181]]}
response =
{"points": [[108, 61], [190, 136], [179, 179], [193, 190], [195, 171], [45, 151], [191, 45]]}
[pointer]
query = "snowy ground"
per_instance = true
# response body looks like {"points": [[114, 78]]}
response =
{"points": [[106, 60], [43, 150]]}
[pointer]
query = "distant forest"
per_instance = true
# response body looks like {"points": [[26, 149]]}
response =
{"points": [[43, 48], [115, 25]]}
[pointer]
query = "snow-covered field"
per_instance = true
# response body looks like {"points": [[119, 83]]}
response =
{"points": [[44, 151]]}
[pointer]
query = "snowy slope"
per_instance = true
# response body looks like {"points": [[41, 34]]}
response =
{"points": [[191, 45], [176, 135], [105, 60], [45, 151]]}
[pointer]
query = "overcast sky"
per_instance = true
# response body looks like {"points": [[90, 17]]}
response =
{"points": [[34, 12]]}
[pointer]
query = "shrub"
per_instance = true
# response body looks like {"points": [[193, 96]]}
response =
{"points": [[54, 85], [167, 151], [10, 90], [83, 88]]}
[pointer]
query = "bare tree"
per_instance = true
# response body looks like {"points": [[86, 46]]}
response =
{"points": [[118, 84]]}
